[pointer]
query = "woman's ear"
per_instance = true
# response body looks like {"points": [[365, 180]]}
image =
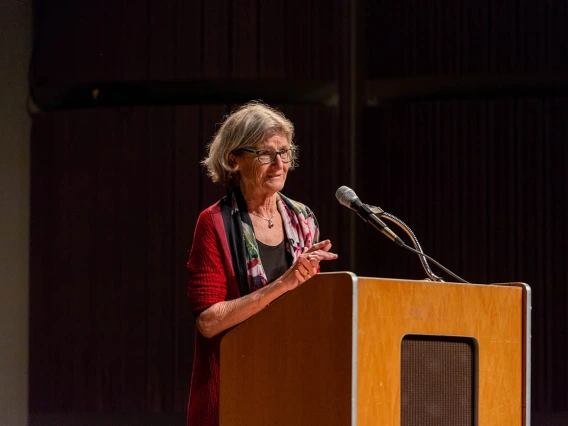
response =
{"points": [[233, 162]]}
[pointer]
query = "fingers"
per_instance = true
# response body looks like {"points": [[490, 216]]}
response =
{"points": [[324, 256], [300, 276], [308, 265], [324, 245], [320, 255], [321, 250]]}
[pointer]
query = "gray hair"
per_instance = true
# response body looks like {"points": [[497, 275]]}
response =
{"points": [[245, 127]]}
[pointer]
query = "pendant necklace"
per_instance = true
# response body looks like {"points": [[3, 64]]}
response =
{"points": [[270, 223]]}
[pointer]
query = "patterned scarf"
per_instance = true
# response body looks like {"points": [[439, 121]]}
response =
{"points": [[300, 226]]}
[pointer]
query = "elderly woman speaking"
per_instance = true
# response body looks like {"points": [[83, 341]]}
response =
{"points": [[250, 247]]}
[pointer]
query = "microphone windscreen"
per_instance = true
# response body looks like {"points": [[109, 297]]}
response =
{"points": [[346, 196]]}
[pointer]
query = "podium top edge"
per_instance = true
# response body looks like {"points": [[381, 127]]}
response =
{"points": [[355, 278]]}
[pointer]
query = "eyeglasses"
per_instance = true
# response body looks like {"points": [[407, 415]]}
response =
{"points": [[267, 156]]}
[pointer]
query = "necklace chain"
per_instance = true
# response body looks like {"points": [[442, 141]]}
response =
{"points": [[270, 223]]}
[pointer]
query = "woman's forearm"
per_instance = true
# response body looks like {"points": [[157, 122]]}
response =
{"points": [[224, 315]]}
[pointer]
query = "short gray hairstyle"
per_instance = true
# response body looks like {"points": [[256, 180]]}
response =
{"points": [[245, 127]]}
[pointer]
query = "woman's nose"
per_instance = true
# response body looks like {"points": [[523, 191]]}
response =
{"points": [[278, 159]]}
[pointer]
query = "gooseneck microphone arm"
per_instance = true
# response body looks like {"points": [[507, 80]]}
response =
{"points": [[370, 214], [443, 268], [380, 212]]}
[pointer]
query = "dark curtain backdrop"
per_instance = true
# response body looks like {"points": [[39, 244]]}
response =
{"points": [[423, 38], [174, 40], [478, 174]]}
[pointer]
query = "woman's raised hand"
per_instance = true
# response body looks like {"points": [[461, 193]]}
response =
{"points": [[307, 264]]}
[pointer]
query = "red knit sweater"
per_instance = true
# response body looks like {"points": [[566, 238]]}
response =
{"points": [[211, 280]]}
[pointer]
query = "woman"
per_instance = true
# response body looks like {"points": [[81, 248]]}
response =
{"points": [[250, 247]]}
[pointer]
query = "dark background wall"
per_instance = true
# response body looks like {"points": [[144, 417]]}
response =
{"points": [[449, 114]]}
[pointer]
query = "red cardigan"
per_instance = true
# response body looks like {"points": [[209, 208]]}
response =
{"points": [[211, 280]]}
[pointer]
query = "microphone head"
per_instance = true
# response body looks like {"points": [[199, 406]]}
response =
{"points": [[346, 196]]}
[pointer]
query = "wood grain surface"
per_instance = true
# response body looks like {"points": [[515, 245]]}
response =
{"points": [[390, 309]]}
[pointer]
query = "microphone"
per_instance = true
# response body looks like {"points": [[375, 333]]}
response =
{"points": [[347, 197]]}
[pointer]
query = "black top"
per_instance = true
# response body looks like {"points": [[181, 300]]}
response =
{"points": [[273, 260]]}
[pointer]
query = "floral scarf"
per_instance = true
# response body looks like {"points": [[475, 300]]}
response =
{"points": [[300, 226]]}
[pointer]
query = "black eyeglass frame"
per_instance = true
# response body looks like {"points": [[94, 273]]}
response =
{"points": [[292, 150]]}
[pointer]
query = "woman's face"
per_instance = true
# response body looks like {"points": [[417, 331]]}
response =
{"points": [[263, 179]]}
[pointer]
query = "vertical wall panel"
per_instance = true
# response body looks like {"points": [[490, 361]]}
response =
{"points": [[162, 37], [408, 16], [189, 42], [299, 55], [556, 46], [186, 211], [41, 338], [324, 21], [532, 35], [450, 49], [61, 380], [530, 231], [84, 174], [105, 131], [216, 30], [502, 199], [244, 39], [474, 40], [555, 193], [106, 331], [272, 43], [381, 24], [425, 18], [473, 189], [51, 50], [85, 37], [133, 251], [136, 40], [448, 211], [112, 41], [159, 230], [503, 31]]}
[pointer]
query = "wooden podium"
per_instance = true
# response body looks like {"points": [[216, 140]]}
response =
{"points": [[346, 350]]}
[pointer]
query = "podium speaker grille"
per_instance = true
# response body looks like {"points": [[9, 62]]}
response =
{"points": [[438, 381]]}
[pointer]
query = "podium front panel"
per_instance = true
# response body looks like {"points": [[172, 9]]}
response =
{"points": [[389, 310], [291, 364]]}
